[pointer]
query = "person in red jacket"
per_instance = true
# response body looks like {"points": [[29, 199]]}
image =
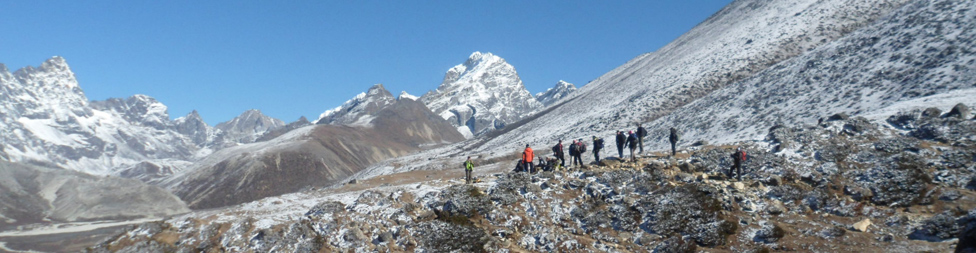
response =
{"points": [[527, 158]]}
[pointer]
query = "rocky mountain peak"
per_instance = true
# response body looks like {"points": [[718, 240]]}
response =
{"points": [[365, 104], [551, 95], [193, 126], [247, 127], [483, 81]]}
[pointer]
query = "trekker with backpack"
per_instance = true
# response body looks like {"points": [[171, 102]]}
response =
{"points": [[738, 157], [632, 143], [582, 149], [558, 152], [621, 139], [641, 132], [597, 146], [527, 158], [673, 138], [468, 168]]}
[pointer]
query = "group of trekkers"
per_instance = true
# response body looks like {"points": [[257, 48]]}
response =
{"points": [[632, 140]]}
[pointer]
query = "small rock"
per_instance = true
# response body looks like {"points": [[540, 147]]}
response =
{"points": [[739, 186], [354, 181], [931, 112], [775, 208], [886, 238], [774, 181], [863, 225], [703, 177]]}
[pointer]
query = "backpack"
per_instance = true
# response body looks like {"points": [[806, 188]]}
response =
{"points": [[573, 149], [582, 148], [555, 149], [743, 155], [599, 144]]}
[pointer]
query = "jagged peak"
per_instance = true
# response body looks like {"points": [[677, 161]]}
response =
{"points": [[378, 90], [55, 63]]}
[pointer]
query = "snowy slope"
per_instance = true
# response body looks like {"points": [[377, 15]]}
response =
{"points": [[556, 93], [481, 95], [742, 39], [924, 50]]}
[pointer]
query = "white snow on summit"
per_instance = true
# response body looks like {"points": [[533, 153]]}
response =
{"points": [[483, 94]]}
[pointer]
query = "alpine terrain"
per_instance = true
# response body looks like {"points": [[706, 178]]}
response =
{"points": [[850, 121]]}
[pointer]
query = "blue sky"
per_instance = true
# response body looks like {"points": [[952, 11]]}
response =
{"points": [[295, 58]]}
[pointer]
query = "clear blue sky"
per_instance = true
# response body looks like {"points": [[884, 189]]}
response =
{"points": [[294, 58]]}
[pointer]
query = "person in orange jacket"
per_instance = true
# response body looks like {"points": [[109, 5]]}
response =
{"points": [[527, 158]]}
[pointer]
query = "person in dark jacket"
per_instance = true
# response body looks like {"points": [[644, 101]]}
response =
{"points": [[573, 152], [558, 152], [632, 143], [738, 157], [641, 132], [597, 146], [621, 139], [673, 138]]}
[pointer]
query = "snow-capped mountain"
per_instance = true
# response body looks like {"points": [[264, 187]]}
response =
{"points": [[248, 127], [481, 95], [46, 118], [551, 95], [356, 111]]}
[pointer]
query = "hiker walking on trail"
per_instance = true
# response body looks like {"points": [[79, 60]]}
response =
{"points": [[468, 168], [527, 158], [621, 139], [632, 144], [597, 146], [738, 157], [641, 132], [673, 138], [558, 152], [573, 150]]}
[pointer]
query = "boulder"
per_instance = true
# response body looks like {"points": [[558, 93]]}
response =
{"points": [[840, 116], [931, 112], [775, 208], [738, 186], [960, 111], [862, 226]]}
